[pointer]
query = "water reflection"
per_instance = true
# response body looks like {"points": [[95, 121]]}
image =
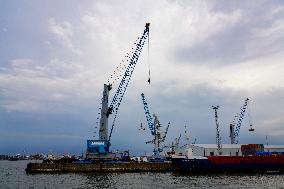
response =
{"points": [[12, 175], [104, 180]]}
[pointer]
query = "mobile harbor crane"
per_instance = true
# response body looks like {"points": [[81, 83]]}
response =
{"points": [[99, 149], [155, 128], [235, 128]]}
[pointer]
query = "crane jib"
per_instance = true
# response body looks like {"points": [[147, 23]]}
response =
{"points": [[132, 59], [148, 115], [241, 116]]}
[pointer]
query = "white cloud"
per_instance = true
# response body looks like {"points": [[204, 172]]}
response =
{"points": [[234, 47], [29, 86], [21, 63], [112, 30], [275, 31], [63, 32]]}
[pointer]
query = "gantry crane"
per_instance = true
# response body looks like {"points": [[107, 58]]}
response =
{"points": [[155, 128], [100, 148]]}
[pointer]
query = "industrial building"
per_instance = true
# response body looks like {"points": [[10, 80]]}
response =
{"points": [[229, 149]]}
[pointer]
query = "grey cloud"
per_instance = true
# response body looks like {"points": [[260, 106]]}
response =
{"points": [[65, 88], [240, 42]]}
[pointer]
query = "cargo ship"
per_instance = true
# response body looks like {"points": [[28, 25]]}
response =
{"points": [[253, 160]]}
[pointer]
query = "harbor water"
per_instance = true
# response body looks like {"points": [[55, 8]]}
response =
{"points": [[12, 175]]}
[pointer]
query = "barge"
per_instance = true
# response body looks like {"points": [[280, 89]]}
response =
{"points": [[98, 167]]}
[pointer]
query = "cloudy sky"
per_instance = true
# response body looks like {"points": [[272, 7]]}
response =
{"points": [[55, 57]]}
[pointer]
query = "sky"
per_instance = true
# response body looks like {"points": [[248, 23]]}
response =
{"points": [[55, 57]]}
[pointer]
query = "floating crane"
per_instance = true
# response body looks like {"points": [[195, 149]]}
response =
{"points": [[218, 137], [155, 128], [235, 128], [99, 149]]}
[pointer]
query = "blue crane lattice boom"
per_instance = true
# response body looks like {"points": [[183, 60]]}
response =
{"points": [[148, 115], [99, 149], [240, 117], [155, 128], [132, 59]]}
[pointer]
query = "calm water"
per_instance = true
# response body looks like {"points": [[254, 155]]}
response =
{"points": [[12, 175]]}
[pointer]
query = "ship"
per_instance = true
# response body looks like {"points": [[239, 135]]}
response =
{"points": [[253, 160]]}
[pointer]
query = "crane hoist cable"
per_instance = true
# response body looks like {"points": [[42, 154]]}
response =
{"points": [[149, 76], [250, 120]]}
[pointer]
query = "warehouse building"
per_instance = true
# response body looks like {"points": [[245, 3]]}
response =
{"points": [[229, 149]]}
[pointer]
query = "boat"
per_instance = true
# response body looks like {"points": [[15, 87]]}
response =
{"points": [[256, 162], [13, 158]]}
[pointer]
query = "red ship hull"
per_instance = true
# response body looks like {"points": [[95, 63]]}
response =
{"points": [[229, 164]]}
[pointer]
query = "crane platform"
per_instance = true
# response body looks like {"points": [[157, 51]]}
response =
{"points": [[98, 167]]}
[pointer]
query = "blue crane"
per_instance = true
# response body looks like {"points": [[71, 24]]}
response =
{"points": [[155, 128], [132, 59], [234, 132], [148, 115], [99, 149]]}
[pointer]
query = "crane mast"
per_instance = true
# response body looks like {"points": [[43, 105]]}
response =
{"points": [[103, 131], [218, 137]]}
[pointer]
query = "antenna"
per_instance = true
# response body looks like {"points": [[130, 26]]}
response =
{"points": [[186, 135], [266, 138]]}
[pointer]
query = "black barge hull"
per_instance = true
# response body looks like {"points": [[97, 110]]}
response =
{"points": [[98, 167]]}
